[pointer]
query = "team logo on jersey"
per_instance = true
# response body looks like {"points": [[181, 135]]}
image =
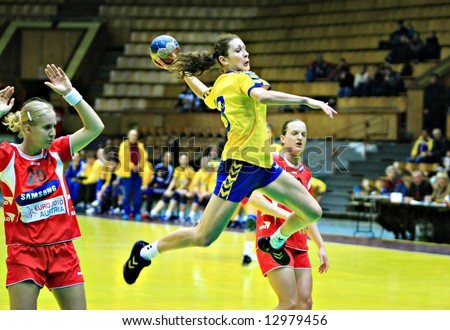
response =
{"points": [[43, 209], [38, 193], [8, 200], [266, 225]]}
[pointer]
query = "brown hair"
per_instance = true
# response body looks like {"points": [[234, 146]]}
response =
{"points": [[195, 63]]}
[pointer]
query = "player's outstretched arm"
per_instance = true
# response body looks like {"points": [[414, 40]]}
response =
{"points": [[92, 124], [270, 97]]}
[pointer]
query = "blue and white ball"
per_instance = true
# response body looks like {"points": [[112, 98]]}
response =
{"points": [[163, 50]]}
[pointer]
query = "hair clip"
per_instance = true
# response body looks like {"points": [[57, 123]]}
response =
{"points": [[29, 116]]}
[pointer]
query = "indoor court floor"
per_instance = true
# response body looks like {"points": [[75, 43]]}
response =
{"points": [[359, 278]]}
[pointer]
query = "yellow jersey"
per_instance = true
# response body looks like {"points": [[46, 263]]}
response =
{"points": [[203, 181], [183, 176], [243, 117]]}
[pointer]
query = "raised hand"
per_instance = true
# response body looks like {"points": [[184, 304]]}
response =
{"points": [[59, 81], [6, 102]]}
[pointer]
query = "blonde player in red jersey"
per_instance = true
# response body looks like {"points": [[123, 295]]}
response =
{"points": [[291, 283], [40, 220]]}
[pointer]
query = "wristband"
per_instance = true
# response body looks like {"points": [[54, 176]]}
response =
{"points": [[74, 97]]}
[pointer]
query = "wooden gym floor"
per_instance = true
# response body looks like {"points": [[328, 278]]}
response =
{"points": [[360, 277]]}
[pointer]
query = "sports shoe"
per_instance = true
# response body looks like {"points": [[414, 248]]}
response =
{"points": [[246, 260], [279, 255], [135, 263]]}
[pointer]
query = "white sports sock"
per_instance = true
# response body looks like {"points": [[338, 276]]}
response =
{"points": [[168, 214], [192, 215], [277, 239], [149, 252], [249, 247], [181, 215]]}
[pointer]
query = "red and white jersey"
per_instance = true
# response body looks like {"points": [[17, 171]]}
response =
{"points": [[37, 206], [266, 225]]}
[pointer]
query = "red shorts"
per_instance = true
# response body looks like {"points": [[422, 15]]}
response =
{"points": [[299, 260], [55, 266]]}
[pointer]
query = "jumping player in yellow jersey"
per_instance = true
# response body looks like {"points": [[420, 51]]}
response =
{"points": [[246, 165]]}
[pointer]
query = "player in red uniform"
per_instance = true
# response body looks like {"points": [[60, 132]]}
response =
{"points": [[40, 220], [292, 283]]}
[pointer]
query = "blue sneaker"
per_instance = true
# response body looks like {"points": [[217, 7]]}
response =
{"points": [[137, 217], [125, 217]]}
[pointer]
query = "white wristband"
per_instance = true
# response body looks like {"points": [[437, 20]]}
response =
{"points": [[73, 98]]}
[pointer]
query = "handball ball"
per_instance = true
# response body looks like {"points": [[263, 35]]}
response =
{"points": [[164, 49]]}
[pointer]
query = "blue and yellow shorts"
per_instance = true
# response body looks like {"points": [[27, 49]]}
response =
{"points": [[237, 179]]}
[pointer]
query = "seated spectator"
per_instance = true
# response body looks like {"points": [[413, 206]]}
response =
{"points": [[441, 189], [446, 162], [346, 80], [417, 47], [420, 149], [319, 69], [361, 83], [395, 36], [90, 175], [202, 187], [378, 86], [393, 82], [440, 147], [338, 69], [418, 188], [176, 192], [394, 182], [319, 188], [401, 52], [187, 100], [73, 176], [162, 176], [432, 48]]}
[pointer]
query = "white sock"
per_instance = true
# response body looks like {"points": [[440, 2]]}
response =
{"points": [[249, 247], [181, 215], [150, 251], [277, 239], [192, 215], [153, 213]]}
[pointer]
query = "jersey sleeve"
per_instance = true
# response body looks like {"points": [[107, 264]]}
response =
{"points": [[63, 147], [208, 99], [250, 80]]}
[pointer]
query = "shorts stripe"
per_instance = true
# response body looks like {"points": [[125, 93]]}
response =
{"points": [[227, 185]]}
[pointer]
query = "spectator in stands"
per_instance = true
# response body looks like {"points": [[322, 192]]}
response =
{"points": [[401, 52], [346, 80], [73, 174], [418, 188], [162, 176], [319, 188], [441, 189], [187, 101], [394, 82], [201, 188], [176, 192], [432, 48], [361, 83], [417, 47], [440, 146], [133, 159], [434, 111], [90, 174], [446, 162], [319, 69], [378, 85], [394, 182], [395, 36], [421, 149], [342, 66]]}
